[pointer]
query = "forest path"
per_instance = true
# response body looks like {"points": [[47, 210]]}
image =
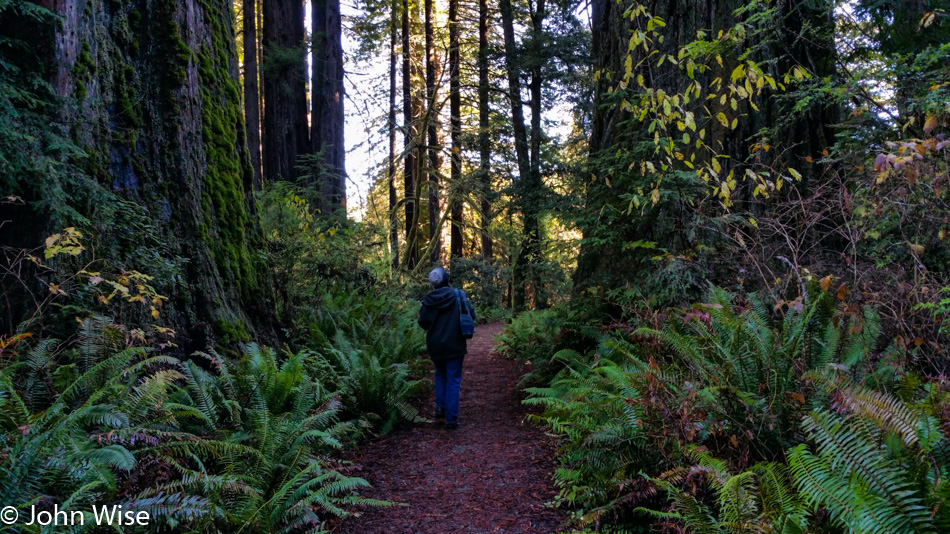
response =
{"points": [[491, 475]]}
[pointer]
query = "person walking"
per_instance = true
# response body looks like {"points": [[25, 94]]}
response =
{"points": [[440, 317]]}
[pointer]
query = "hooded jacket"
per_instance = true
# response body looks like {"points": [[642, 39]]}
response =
{"points": [[439, 317]]}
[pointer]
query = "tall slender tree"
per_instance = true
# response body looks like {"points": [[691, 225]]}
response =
{"points": [[532, 193], [410, 134], [529, 173], [393, 197], [484, 139], [455, 109], [520, 134], [327, 117], [252, 110], [285, 132], [432, 128]]}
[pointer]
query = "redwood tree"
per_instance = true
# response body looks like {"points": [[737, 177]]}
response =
{"points": [[455, 108], [327, 116], [484, 139], [285, 133]]}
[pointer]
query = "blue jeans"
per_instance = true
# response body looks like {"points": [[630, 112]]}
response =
{"points": [[448, 383]]}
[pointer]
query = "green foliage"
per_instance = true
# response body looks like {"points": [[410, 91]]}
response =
{"points": [[269, 428], [531, 335], [702, 411], [485, 283], [37, 157], [245, 443], [77, 428]]}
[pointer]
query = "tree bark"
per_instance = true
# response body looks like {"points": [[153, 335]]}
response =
{"points": [[519, 273], [484, 140], [327, 118], [252, 110], [455, 108], [410, 147], [285, 133], [532, 194], [163, 117], [432, 126], [393, 198]]}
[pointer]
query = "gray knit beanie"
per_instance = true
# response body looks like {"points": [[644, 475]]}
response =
{"points": [[438, 277]]}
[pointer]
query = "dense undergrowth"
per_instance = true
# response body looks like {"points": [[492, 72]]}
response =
{"points": [[238, 436], [735, 415]]}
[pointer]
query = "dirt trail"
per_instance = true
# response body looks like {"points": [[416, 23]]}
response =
{"points": [[491, 475]]}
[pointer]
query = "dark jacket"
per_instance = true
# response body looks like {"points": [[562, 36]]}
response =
{"points": [[439, 317]]}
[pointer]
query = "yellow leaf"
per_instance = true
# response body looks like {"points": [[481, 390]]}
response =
{"points": [[930, 124], [919, 249], [722, 119], [825, 283]]}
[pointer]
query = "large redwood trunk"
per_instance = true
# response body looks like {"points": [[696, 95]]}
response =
{"points": [[157, 109], [327, 103], [285, 133]]}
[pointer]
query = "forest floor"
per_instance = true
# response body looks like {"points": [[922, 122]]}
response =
{"points": [[491, 475]]}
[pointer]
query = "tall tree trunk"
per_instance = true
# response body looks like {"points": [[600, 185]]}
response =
{"points": [[432, 126], [455, 108], [484, 140], [252, 110], [518, 273], [285, 93], [409, 136], [393, 198], [327, 103], [175, 147], [532, 194]]}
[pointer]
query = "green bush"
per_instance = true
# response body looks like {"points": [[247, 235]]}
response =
{"points": [[735, 413]]}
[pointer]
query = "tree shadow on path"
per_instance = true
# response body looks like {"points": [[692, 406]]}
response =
{"points": [[491, 475]]}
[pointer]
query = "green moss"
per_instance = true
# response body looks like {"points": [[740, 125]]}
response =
{"points": [[83, 70], [230, 332], [175, 56], [223, 195], [126, 101], [79, 89]]}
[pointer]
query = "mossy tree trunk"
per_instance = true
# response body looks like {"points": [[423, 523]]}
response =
{"points": [[152, 95]]}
